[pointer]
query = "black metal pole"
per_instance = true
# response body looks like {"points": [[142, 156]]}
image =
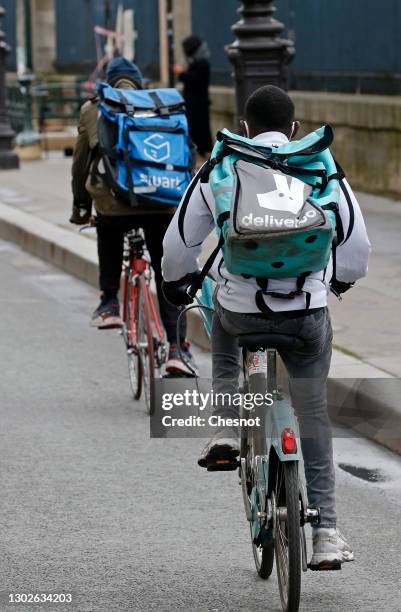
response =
{"points": [[28, 34], [170, 43], [259, 55], [107, 14], [8, 158]]}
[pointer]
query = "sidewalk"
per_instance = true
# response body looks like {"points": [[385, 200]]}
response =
{"points": [[35, 204], [366, 323]]}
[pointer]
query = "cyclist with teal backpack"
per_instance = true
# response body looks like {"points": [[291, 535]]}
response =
{"points": [[289, 230]]}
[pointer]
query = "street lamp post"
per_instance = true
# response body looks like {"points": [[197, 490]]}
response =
{"points": [[259, 55], [8, 158], [170, 43], [107, 15]]}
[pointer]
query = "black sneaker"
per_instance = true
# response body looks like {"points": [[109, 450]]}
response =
{"points": [[107, 315]]}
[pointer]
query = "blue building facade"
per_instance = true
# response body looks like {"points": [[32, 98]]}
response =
{"points": [[341, 45], [76, 19], [9, 28]]}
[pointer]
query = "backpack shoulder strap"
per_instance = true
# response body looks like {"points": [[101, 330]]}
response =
{"points": [[201, 177]]}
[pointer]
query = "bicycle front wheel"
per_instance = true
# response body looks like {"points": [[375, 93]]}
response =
{"points": [[146, 345], [135, 368], [264, 560], [287, 535], [250, 445]]}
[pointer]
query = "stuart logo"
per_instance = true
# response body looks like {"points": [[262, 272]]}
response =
{"points": [[288, 197], [153, 183], [157, 148]]}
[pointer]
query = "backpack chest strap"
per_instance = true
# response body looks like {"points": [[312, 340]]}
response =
{"points": [[263, 283]]}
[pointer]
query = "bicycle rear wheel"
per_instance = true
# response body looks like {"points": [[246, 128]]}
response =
{"points": [[287, 535], [146, 345]]}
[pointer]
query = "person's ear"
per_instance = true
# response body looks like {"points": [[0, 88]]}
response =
{"points": [[244, 128], [295, 129]]}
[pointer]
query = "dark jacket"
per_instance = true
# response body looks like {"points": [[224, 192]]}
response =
{"points": [[196, 81]]}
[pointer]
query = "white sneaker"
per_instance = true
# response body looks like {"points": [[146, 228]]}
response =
{"points": [[345, 548], [221, 452], [330, 549]]}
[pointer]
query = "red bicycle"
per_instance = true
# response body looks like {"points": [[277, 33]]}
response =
{"points": [[142, 332]]}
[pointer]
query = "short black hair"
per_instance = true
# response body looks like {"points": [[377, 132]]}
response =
{"points": [[191, 44], [270, 109]]}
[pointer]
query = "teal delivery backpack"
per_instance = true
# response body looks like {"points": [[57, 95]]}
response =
{"points": [[276, 207], [144, 144]]}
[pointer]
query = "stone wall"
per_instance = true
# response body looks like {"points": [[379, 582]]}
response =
{"points": [[367, 132], [43, 35]]}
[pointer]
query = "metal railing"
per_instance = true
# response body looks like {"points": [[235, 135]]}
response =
{"points": [[48, 101], [16, 107]]}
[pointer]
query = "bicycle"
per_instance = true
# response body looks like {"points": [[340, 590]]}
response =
{"points": [[270, 464], [142, 332]]}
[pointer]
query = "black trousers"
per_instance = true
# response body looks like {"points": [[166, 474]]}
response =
{"points": [[110, 242]]}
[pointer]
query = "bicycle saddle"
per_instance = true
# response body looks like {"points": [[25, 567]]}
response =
{"points": [[256, 342]]}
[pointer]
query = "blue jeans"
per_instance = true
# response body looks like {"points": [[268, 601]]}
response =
{"points": [[308, 370]]}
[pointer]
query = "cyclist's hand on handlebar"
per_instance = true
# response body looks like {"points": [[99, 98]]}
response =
{"points": [[177, 292], [338, 287], [81, 214]]}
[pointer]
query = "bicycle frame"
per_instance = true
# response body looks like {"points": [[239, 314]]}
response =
{"points": [[142, 332], [136, 270], [280, 415], [269, 447]]}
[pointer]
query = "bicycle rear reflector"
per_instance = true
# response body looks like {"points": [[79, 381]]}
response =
{"points": [[288, 441]]}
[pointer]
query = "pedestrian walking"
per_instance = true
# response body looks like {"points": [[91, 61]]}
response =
{"points": [[196, 80]]}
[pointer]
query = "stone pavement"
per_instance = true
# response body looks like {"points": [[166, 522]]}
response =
{"points": [[366, 323]]}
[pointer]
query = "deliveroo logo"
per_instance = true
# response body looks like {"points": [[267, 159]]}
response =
{"points": [[287, 197], [157, 148]]}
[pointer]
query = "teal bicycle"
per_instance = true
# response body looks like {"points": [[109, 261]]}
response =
{"points": [[270, 464]]}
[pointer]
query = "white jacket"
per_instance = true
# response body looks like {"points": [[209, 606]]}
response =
{"points": [[238, 294]]}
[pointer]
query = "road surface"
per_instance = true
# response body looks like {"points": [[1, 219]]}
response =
{"points": [[91, 506]]}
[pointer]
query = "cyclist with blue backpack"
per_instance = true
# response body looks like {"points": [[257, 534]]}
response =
{"points": [[290, 229], [129, 173]]}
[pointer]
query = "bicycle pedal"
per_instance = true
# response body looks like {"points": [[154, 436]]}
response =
{"points": [[222, 461], [325, 566], [178, 375], [222, 465]]}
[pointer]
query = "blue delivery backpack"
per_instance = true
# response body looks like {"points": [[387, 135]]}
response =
{"points": [[144, 144]]}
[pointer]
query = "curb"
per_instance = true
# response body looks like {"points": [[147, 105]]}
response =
{"points": [[69, 251], [366, 403], [74, 254]]}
